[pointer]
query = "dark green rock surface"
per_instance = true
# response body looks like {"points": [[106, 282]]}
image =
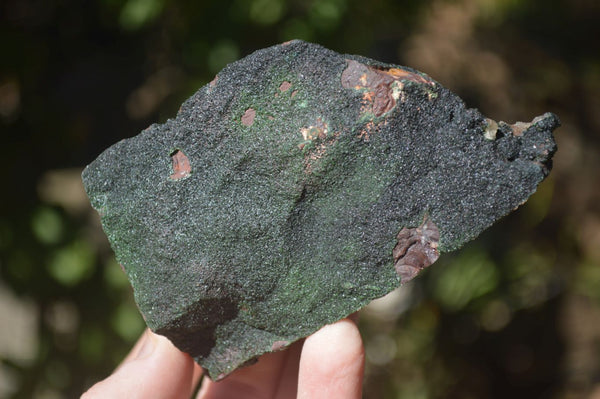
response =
{"points": [[295, 188]]}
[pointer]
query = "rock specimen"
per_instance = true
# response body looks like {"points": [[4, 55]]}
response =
{"points": [[296, 187]]}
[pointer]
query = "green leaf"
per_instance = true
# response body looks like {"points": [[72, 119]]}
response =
{"points": [[72, 264]]}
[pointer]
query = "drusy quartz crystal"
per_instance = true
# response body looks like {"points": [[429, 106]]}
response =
{"points": [[296, 187]]}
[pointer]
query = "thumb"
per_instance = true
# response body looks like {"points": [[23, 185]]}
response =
{"points": [[154, 368]]}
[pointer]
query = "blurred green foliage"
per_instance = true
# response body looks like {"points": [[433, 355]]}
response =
{"points": [[514, 314], [469, 276], [137, 13]]}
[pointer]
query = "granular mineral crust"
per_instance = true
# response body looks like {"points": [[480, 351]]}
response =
{"points": [[296, 187]]}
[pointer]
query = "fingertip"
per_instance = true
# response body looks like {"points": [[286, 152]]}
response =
{"points": [[332, 362], [341, 339]]}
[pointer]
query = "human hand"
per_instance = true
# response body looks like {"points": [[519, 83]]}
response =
{"points": [[328, 364]]}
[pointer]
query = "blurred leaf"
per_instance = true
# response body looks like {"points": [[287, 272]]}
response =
{"points": [[221, 54], [587, 279], [72, 264], [114, 275], [194, 53], [531, 274], [127, 322], [92, 343], [137, 13], [538, 205], [47, 225], [266, 12], [415, 341], [20, 265], [326, 14], [58, 374], [296, 28], [468, 276], [380, 349], [413, 391], [495, 315]]}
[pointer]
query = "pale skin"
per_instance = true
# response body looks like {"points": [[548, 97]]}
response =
{"points": [[327, 365]]}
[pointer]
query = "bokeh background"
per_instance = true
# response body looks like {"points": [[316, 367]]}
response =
{"points": [[516, 313]]}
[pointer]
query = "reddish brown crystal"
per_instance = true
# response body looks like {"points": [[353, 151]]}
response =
{"points": [[377, 84], [248, 117], [181, 165], [416, 249], [285, 86]]}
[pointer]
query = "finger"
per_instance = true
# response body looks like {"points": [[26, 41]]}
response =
{"points": [[154, 369], [133, 353], [288, 383], [332, 363], [261, 380], [196, 376]]}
